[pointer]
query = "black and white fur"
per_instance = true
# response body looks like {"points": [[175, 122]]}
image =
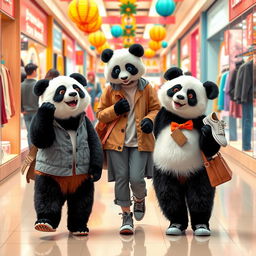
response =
{"points": [[180, 179], [65, 100]]}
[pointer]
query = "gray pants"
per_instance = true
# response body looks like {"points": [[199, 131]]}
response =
{"points": [[28, 118], [128, 168]]}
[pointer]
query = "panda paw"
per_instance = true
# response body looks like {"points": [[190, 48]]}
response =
{"points": [[206, 130], [122, 106], [47, 109], [146, 125]]}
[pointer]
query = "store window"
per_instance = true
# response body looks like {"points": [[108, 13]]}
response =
{"points": [[237, 98]]}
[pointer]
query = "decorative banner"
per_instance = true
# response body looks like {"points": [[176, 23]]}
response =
{"points": [[226, 42], [79, 58], [7, 6], [249, 29], [237, 7], [33, 22]]}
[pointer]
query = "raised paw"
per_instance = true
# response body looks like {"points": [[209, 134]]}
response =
{"points": [[47, 109]]}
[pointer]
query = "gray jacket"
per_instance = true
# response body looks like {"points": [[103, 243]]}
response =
{"points": [[57, 160]]}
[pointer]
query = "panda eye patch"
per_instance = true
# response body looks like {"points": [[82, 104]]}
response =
{"points": [[131, 69], [59, 93], [115, 72]]}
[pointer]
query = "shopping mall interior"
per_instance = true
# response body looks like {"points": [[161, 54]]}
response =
{"points": [[210, 40]]}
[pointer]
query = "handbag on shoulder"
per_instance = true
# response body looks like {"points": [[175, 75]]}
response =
{"points": [[29, 164], [217, 169]]}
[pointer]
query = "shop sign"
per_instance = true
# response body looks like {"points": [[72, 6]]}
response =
{"points": [[7, 6], [249, 31], [69, 47], [237, 7], [24, 45], [33, 22], [79, 58], [57, 39]]}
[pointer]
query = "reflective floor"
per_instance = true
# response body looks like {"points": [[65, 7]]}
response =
{"points": [[233, 225]]}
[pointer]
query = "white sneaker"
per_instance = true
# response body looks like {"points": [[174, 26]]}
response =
{"points": [[218, 128]]}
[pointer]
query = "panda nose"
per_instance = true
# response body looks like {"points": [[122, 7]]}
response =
{"points": [[124, 77], [180, 97], [73, 94]]}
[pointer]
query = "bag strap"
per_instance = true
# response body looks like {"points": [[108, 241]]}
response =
{"points": [[110, 128], [205, 160]]}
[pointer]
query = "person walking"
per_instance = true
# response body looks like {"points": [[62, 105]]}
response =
{"points": [[93, 88], [29, 101]]}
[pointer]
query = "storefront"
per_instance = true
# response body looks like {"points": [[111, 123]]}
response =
{"points": [[58, 58], [190, 51], [69, 54], [34, 36], [174, 56]]}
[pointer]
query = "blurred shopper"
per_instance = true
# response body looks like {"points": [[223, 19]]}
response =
{"points": [[29, 101], [52, 73], [22, 71], [93, 88]]}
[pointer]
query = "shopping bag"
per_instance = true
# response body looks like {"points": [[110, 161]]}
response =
{"points": [[217, 169], [29, 163]]}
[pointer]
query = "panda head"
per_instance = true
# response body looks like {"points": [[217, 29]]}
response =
{"points": [[185, 96], [66, 93], [123, 65]]}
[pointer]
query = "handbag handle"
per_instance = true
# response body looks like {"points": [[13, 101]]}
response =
{"points": [[110, 128]]}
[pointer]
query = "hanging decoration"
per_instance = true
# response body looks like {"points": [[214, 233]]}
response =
{"points": [[92, 47], [157, 33], [116, 31], [164, 44], [103, 47], [83, 11], [97, 39], [127, 11], [165, 8], [91, 27], [154, 45], [149, 53]]}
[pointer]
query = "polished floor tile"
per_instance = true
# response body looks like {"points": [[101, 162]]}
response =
{"points": [[233, 224]]}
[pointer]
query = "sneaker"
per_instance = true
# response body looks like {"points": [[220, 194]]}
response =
{"points": [[139, 209], [202, 230], [81, 232], [127, 226], [175, 229], [218, 128]]}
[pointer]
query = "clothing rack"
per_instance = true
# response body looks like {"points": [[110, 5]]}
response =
{"points": [[247, 53]]}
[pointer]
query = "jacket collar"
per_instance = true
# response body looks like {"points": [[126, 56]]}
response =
{"points": [[142, 83]]}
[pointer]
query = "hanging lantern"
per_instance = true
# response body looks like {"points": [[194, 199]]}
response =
{"points": [[165, 7], [154, 45], [164, 44], [92, 47], [91, 27], [157, 33], [149, 53], [103, 47], [97, 39], [116, 31], [83, 11]]}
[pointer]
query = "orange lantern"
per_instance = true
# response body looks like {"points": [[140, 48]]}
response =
{"points": [[154, 45], [157, 33], [97, 39], [83, 11], [149, 53], [91, 27], [103, 47]]}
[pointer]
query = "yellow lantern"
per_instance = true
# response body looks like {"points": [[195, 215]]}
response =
{"points": [[154, 45], [91, 27], [149, 53], [157, 33], [83, 11], [97, 39], [103, 47]]}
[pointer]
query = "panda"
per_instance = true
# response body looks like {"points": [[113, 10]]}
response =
{"points": [[180, 179], [69, 157]]}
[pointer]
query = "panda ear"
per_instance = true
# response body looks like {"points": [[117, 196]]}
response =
{"points": [[212, 90], [136, 50], [172, 73], [41, 86], [79, 78], [107, 55]]}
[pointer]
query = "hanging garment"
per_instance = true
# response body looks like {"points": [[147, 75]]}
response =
{"points": [[221, 91], [4, 119]]}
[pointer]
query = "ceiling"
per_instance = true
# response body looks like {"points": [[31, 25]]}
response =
{"points": [[146, 17]]}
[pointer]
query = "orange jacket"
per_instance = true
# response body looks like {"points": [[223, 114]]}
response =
{"points": [[146, 106]]}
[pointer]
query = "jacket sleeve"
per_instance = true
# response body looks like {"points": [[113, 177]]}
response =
{"points": [[105, 111], [96, 152], [154, 105]]}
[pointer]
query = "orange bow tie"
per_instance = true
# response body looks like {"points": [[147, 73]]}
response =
{"points": [[188, 125]]}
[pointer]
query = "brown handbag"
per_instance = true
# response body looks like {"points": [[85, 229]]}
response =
{"points": [[217, 169], [29, 164]]}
